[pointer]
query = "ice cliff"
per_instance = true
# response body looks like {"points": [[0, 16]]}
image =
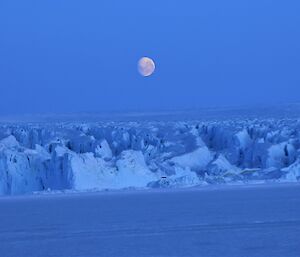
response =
{"points": [[115, 155]]}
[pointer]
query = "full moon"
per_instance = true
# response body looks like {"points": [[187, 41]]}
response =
{"points": [[146, 66]]}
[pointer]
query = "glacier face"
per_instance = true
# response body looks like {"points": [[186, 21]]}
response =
{"points": [[115, 155]]}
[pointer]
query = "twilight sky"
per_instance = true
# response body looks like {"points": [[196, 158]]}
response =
{"points": [[73, 56]]}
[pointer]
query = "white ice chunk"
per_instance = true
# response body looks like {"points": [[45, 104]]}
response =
{"points": [[197, 159]]}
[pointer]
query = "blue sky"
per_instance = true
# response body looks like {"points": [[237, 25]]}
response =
{"points": [[74, 56]]}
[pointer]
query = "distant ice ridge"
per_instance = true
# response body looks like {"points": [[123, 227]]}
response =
{"points": [[117, 155]]}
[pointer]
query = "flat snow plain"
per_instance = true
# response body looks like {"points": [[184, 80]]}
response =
{"points": [[257, 220]]}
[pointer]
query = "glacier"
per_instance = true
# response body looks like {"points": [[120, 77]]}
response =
{"points": [[146, 154]]}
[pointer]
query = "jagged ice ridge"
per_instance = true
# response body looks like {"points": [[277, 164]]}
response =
{"points": [[116, 155]]}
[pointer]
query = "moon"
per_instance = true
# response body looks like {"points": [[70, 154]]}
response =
{"points": [[146, 66]]}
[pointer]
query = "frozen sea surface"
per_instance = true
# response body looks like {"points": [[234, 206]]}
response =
{"points": [[261, 220]]}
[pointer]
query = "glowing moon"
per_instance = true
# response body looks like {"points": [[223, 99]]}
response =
{"points": [[146, 66]]}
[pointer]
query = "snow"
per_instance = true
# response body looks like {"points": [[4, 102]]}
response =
{"points": [[9, 142], [195, 160], [103, 150], [146, 154], [89, 172], [280, 154], [221, 165], [132, 170], [292, 172], [230, 221], [243, 138]]}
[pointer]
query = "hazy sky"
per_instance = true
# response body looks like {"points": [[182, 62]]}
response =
{"points": [[70, 55]]}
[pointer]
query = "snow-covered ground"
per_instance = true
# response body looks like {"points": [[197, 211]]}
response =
{"points": [[147, 154], [233, 221]]}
